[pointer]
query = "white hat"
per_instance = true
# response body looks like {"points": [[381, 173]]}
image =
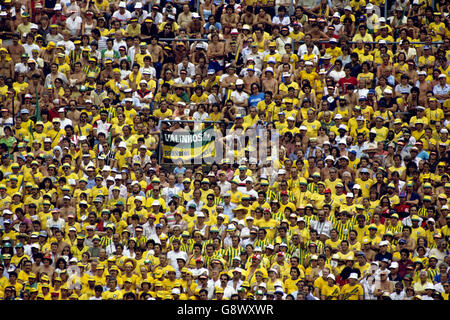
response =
{"points": [[239, 82], [331, 276], [429, 286], [338, 116], [356, 186], [309, 63], [343, 127], [138, 5], [382, 19], [348, 8], [122, 4], [61, 110], [369, 6], [195, 15], [176, 291], [334, 40], [442, 75], [387, 91], [290, 118], [303, 128], [200, 214], [122, 144], [286, 74], [329, 157], [269, 69], [271, 60], [349, 195], [383, 243], [336, 15], [57, 7], [394, 265], [353, 275]]}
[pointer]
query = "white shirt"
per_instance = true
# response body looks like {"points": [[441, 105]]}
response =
{"points": [[29, 48], [337, 75], [322, 227], [285, 21], [190, 69], [172, 257], [187, 80], [68, 45], [304, 50], [122, 17], [400, 296], [73, 23], [224, 186], [168, 192]]}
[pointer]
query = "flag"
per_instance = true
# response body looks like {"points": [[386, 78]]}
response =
{"points": [[38, 109]]}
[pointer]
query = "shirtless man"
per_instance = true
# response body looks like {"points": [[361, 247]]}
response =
{"points": [[108, 73], [216, 49], [250, 79], [78, 77], [73, 113], [16, 49], [228, 80], [316, 34], [269, 83], [424, 86], [6, 67]]}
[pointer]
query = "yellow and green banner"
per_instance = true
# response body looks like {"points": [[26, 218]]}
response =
{"points": [[188, 145]]}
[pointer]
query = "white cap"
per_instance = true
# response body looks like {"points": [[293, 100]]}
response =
{"points": [[176, 291], [303, 128], [356, 186], [57, 7], [429, 285], [122, 4], [269, 69], [349, 195], [387, 91], [138, 5], [200, 214], [353, 275], [122, 144], [442, 75], [382, 19], [239, 82], [336, 15], [308, 63], [331, 276], [383, 243], [394, 265]]}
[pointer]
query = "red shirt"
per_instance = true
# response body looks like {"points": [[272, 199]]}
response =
{"points": [[344, 82]]}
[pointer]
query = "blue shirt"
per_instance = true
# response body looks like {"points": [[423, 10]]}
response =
{"points": [[254, 99]]}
